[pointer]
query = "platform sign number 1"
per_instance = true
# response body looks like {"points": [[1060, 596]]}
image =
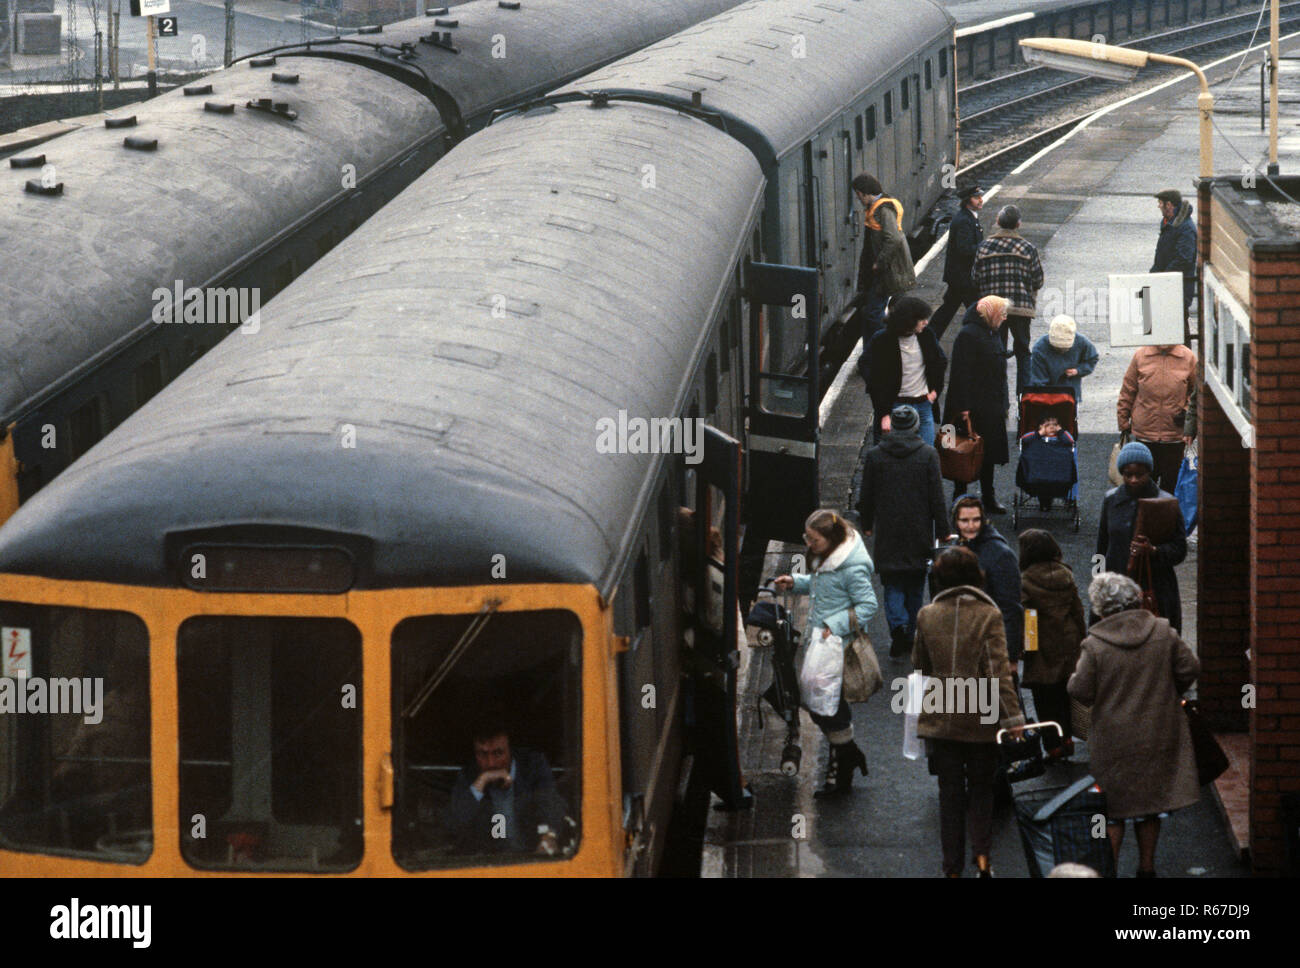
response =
{"points": [[17, 652], [168, 26]]}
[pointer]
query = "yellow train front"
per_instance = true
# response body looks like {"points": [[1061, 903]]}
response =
{"points": [[436, 572]]}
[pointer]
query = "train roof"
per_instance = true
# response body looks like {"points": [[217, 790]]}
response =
{"points": [[754, 73], [506, 54], [80, 268], [475, 430]]}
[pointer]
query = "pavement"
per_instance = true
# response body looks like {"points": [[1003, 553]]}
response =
{"points": [[1087, 204]]}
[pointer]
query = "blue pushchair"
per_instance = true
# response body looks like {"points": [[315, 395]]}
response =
{"points": [[1048, 469]]}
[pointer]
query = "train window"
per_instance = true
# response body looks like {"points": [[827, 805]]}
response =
{"points": [[75, 780], [929, 75], [85, 427], [477, 698], [148, 379], [944, 55], [871, 123], [711, 384], [902, 96], [270, 757], [667, 517], [641, 588], [889, 108], [857, 132]]}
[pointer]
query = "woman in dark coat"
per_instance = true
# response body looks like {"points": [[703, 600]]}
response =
{"points": [[1132, 670], [906, 366], [1115, 537], [978, 389], [1000, 564]]}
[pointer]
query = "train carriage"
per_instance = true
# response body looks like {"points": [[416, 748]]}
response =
{"points": [[200, 205], [447, 477]]}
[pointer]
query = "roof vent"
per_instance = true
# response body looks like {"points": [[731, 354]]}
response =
{"points": [[128, 122], [273, 107], [697, 99], [137, 143], [600, 99], [443, 22], [508, 4], [36, 188], [371, 29], [215, 107], [435, 11], [262, 62], [194, 89], [284, 78], [26, 161]]}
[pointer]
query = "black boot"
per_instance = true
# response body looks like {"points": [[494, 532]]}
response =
{"points": [[844, 759], [902, 644]]}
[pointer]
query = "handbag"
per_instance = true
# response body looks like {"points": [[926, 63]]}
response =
{"points": [[961, 457], [1139, 569], [1211, 761], [1113, 473], [1080, 719], [862, 675]]}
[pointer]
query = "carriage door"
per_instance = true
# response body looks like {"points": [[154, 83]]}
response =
{"points": [[905, 140], [716, 617], [931, 99], [783, 399], [844, 264]]}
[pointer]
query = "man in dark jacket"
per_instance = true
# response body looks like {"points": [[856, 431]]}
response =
{"points": [[1001, 567], [964, 236], [885, 267], [1176, 246], [902, 502]]}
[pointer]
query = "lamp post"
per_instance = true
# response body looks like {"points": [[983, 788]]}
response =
{"points": [[1121, 64]]}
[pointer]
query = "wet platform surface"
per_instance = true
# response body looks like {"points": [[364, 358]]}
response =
{"points": [[1088, 205]]}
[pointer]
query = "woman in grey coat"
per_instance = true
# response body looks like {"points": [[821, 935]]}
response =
{"points": [[1132, 671]]}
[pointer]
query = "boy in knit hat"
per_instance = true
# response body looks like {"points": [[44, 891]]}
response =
{"points": [[1062, 358]]}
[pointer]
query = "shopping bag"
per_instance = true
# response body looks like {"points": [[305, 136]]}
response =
{"points": [[912, 745], [1185, 489], [822, 673], [862, 675], [961, 457], [1116, 477]]}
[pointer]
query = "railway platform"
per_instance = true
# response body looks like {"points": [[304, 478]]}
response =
{"points": [[1088, 205]]}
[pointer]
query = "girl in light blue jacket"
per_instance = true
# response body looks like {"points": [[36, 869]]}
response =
{"points": [[839, 581]]}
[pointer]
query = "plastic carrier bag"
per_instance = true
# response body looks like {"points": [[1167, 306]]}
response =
{"points": [[1185, 489], [822, 674], [912, 745]]}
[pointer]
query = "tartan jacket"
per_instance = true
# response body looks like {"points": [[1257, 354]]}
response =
{"points": [[1007, 265]]}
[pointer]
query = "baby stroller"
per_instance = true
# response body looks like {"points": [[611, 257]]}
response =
{"points": [[1048, 470], [776, 631]]}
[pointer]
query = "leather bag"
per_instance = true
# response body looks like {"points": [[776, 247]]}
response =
{"points": [[960, 458], [1159, 519], [1139, 569], [1211, 761], [862, 675]]}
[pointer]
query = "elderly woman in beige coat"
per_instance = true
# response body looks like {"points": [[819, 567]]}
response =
{"points": [[1132, 671]]}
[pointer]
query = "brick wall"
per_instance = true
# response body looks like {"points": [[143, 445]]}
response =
{"points": [[1275, 547], [1223, 581]]}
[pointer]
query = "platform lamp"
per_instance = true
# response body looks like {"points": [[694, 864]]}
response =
{"points": [[1121, 64]]}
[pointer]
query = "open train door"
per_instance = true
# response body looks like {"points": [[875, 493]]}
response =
{"points": [[783, 400], [716, 617]]}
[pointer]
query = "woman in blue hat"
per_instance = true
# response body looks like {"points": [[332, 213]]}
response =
{"points": [[1115, 538]]}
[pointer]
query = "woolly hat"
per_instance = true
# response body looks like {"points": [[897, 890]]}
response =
{"points": [[1135, 453], [1061, 333], [904, 418]]}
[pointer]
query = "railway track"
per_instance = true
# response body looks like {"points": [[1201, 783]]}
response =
{"points": [[1017, 114]]}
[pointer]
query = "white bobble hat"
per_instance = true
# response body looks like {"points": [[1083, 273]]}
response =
{"points": [[1061, 333]]}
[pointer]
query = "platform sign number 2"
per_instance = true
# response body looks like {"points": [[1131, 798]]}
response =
{"points": [[168, 26], [17, 652]]}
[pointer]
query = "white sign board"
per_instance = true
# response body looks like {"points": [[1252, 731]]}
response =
{"points": [[150, 8], [16, 653], [1146, 309]]}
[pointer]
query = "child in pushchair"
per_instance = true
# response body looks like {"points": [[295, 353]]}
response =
{"points": [[1048, 468]]}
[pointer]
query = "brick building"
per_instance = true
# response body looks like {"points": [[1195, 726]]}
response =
{"points": [[1249, 409]]}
